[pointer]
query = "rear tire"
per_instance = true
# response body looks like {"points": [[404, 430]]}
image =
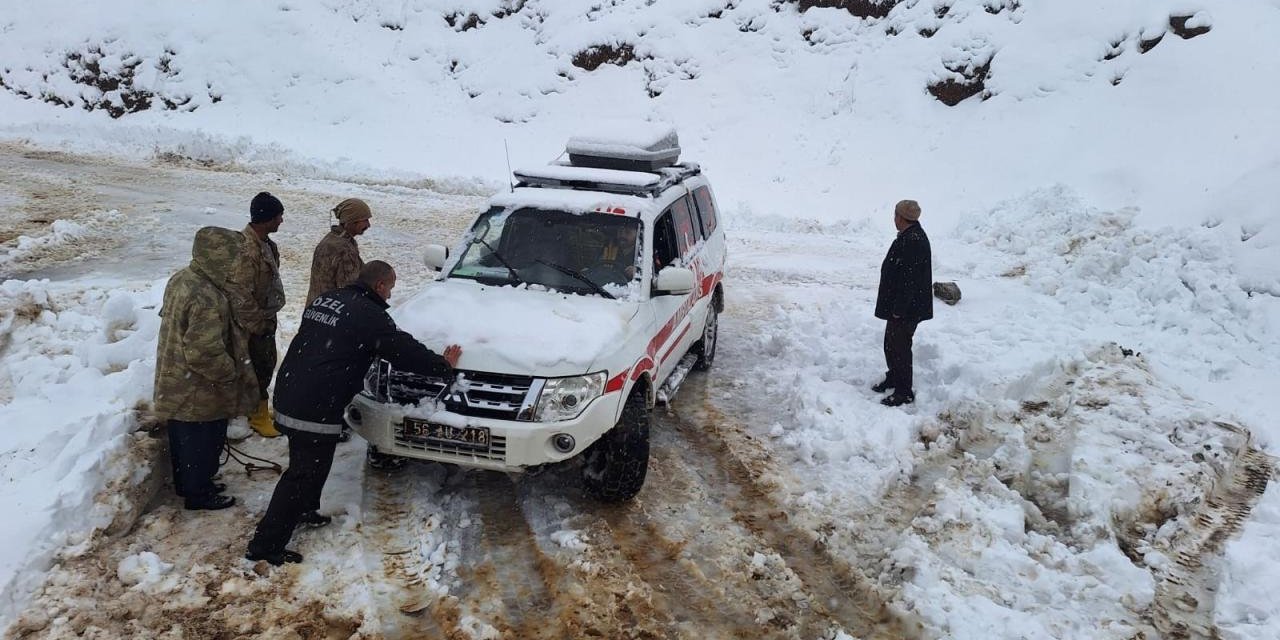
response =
{"points": [[706, 346], [616, 464]]}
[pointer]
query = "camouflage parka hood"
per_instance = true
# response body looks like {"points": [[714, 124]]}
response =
{"points": [[203, 371], [214, 254]]}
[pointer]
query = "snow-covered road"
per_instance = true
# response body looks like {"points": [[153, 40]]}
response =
{"points": [[1046, 484]]}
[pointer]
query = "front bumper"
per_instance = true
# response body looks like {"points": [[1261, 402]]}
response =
{"points": [[513, 445]]}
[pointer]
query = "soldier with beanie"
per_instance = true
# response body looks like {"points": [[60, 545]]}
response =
{"points": [[904, 300], [336, 262], [257, 295]]}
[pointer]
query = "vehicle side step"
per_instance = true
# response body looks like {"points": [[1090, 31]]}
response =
{"points": [[672, 384]]}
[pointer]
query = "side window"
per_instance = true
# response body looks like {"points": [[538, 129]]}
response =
{"points": [[683, 218], [706, 208], [664, 241], [693, 213]]}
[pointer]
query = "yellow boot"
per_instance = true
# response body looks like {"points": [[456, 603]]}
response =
{"points": [[261, 421]]}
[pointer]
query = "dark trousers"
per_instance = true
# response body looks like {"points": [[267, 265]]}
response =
{"points": [[262, 353], [897, 354], [194, 450], [297, 492]]}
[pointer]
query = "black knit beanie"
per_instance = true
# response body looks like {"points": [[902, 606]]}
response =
{"points": [[264, 207]]}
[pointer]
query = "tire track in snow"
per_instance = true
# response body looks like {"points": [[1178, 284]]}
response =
{"points": [[1185, 597], [605, 589], [834, 591], [511, 584], [398, 557]]}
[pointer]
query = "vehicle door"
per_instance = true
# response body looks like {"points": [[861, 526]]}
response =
{"points": [[676, 242]]}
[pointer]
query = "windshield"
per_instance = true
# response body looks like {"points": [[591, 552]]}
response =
{"points": [[589, 253]]}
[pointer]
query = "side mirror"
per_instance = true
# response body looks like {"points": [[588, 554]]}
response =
{"points": [[435, 256], [674, 281]]}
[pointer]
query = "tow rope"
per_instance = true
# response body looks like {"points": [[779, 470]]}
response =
{"points": [[231, 453]]}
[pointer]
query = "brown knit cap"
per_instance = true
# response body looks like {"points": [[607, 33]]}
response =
{"points": [[352, 210], [908, 210]]}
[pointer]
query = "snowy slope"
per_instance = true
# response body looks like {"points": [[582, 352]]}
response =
{"points": [[816, 113]]}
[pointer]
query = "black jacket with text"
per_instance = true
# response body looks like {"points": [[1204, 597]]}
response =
{"points": [[906, 278], [341, 334]]}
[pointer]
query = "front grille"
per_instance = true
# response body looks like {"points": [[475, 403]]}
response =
{"points": [[496, 451], [474, 393], [408, 388]]}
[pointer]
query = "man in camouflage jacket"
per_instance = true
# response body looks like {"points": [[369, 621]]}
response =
{"points": [[203, 373], [257, 295], [336, 262]]}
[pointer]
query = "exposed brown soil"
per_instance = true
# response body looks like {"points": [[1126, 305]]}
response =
{"points": [[592, 58], [859, 8], [952, 92]]}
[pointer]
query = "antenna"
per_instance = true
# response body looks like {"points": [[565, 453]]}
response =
{"points": [[510, 184]]}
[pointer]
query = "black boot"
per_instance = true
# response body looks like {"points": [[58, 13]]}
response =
{"points": [[209, 503], [313, 519], [276, 558], [882, 386], [899, 398]]}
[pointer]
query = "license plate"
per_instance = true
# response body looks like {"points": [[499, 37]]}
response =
{"points": [[470, 436]]}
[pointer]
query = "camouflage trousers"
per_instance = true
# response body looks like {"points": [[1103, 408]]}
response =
{"points": [[262, 353]]}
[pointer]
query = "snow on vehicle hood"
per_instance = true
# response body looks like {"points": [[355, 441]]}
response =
{"points": [[517, 330]]}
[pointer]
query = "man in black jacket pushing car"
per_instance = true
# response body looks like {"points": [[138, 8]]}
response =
{"points": [[342, 331], [905, 300]]}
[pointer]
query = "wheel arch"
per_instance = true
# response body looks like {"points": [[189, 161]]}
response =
{"points": [[643, 384]]}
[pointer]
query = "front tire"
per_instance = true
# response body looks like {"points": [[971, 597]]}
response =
{"points": [[383, 461], [617, 463]]}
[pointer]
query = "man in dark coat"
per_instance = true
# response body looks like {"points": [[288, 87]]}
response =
{"points": [[905, 300], [341, 334]]}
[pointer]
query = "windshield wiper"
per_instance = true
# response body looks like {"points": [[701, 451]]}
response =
{"points": [[494, 252], [577, 276]]}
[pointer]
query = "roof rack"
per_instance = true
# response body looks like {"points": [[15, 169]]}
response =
{"points": [[637, 183]]}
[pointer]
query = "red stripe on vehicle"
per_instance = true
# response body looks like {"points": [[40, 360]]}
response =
{"points": [[615, 383], [709, 284], [675, 342], [644, 365]]}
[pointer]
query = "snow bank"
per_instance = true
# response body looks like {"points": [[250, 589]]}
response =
{"points": [[79, 361]]}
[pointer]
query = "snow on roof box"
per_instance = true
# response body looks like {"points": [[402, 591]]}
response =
{"points": [[643, 146]]}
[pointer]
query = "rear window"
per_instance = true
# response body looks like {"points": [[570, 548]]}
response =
{"points": [[706, 209]]}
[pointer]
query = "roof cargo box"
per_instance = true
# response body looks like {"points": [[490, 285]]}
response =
{"points": [[641, 146]]}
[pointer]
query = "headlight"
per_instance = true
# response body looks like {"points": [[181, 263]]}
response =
{"points": [[565, 398]]}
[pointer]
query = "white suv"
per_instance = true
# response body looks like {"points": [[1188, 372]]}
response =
{"points": [[581, 298]]}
